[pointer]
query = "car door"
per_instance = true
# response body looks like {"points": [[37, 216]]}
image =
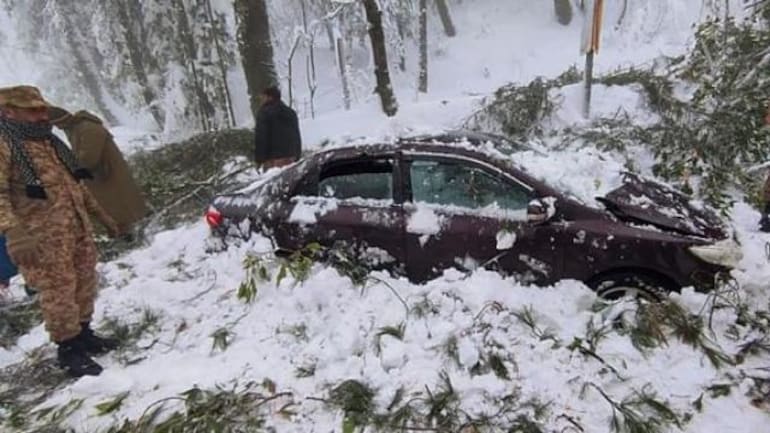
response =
{"points": [[353, 203], [464, 213]]}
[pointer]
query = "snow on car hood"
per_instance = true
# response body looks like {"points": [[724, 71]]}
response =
{"points": [[647, 201]]}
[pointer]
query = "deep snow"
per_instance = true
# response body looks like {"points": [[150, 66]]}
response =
{"points": [[329, 324]]}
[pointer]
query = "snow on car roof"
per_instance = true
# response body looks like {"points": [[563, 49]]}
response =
{"points": [[583, 174]]}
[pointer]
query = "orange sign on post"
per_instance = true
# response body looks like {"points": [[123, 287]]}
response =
{"points": [[592, 27]]}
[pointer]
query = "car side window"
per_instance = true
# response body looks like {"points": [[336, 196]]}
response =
{"points": [[452, 183], [365, 179]]}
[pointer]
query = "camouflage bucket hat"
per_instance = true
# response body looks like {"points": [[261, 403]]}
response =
{"points": [[22, 97]]}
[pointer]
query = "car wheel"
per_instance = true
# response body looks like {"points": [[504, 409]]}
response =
{"points": [[632, 285]]}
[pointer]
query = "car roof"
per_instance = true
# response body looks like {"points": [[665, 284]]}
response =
{"points": [[462, 149], [456, 142], [474, 138]]}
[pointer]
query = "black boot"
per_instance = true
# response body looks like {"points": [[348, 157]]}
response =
{"points": [[30, 291], [74, 359], [95, 344], [764, 222]]}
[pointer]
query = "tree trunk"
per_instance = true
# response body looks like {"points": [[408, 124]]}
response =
{"points": [[563, 11], [423, 77], [382, 74], [256, 48], [136, 53], [446, 18], [401, 24], [290, 69], [85, 72], [329, 34], [221, 59], [310, 75], [342, 62], [189, 50]]}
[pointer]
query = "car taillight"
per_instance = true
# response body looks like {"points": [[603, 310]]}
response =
{"points": [[214, 218]]}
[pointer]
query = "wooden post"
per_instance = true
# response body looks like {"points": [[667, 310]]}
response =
{"points": [[590, 47], [588, 83]]}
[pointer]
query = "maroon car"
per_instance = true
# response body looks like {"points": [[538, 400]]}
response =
{"points": [[421, 207]]}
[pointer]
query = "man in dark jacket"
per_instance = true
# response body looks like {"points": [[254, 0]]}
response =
{"points": [[277, 138]]}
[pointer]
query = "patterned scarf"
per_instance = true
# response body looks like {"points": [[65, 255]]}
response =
{"points": [[16, 133]]}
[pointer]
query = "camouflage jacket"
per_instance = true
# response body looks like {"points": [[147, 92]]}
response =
{"points": [[67, 198]]}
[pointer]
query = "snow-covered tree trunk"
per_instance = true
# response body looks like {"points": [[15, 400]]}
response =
{"points": [[290, 69], [382, 74], [85, 72], [256, 48], [423, 76], [136, 53], [446, 18], [310, 72], [343, 67], [402, 21], [563, 11], [189, 55], [221, 62]]}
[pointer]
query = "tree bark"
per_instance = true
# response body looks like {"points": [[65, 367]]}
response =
{"points": [[446, 18], [136, 53], [221, 62], [310, 75], [382, 74], [423, 76], [204, 108], [342, 62], [401, 24], [256, 48], [563, 11], [85, 72]]}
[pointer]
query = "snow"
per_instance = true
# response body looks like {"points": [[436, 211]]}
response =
{"points": [[330, 324], [338, 324], [307, 213], [424, 221], [505, 239]]}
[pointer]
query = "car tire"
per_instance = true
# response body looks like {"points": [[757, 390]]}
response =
{"points": [[636, 285]]}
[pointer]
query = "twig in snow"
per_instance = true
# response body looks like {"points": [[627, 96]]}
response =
{"points": [[393, 290]]}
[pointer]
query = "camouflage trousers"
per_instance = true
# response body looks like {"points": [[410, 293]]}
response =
{"points": [[65, 275]]}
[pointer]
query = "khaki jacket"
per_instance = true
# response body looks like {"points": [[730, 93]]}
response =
{"points": [[66, 198], [113, 185]]}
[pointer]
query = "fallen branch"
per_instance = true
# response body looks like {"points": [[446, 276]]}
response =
{"points": [[214, 180]]}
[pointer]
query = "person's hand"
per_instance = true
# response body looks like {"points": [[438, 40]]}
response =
{"points": [[23, 247]]}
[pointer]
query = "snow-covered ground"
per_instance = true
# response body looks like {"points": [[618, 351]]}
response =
{"points": [[308, 337], [329, 326]]}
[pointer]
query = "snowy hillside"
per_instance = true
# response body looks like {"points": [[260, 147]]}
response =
{"points": [[466, 352]]}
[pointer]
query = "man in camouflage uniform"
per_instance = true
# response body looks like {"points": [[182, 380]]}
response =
{"points": [[44, 215]]}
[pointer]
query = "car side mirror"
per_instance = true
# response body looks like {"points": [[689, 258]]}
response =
{"points": [[541, 210]]}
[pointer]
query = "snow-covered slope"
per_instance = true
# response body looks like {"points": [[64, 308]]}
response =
{"points": [[306, 338]]}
